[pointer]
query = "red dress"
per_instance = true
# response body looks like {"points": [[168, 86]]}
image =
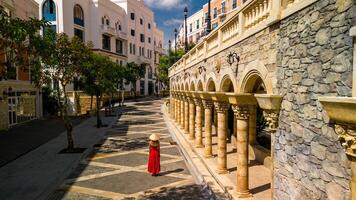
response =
{"points": [[154, 166]]}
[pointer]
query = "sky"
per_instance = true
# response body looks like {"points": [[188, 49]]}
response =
{"points": [[169, 14]]}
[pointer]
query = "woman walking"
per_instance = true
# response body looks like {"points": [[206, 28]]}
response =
{"points": [[154, 165]]}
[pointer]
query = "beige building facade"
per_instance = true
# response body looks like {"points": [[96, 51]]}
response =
{"points": [[274, 82], [141, 49], [20, 100]]}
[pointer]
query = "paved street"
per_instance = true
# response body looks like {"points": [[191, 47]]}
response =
{"points": [[116, 169], [26, 137]]}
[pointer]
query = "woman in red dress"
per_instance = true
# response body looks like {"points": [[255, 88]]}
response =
{"points": [[154, 166]]}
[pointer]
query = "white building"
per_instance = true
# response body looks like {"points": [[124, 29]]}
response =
{"points": [[140, 21], [120, 29], [99, 21]]}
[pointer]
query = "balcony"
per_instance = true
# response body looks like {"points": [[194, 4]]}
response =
{"points": [[222, 12], [108, 29], [113, 32], [144, 60]]}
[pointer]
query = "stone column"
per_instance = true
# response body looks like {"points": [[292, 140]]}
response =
{"points": [[221, 109], [172, 107], [242, 120], [272, 120], [347, 136], [182, 112], [186, 116], [175, 108], [191, 119], [252, 125], [208, 106], [198, 119]]}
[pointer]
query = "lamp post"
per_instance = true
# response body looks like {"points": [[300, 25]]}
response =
{"points": [[98, 121], [169, 47], [175, 40], [208, 20], [185, 29]]}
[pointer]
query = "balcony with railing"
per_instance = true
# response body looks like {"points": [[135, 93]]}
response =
{"points": [[251, 17]]}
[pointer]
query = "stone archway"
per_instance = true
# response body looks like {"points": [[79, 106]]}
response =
{"points": [[200, 86], [186, 88], [192, 86], [210, 86], [253, 83], [227, 85]]}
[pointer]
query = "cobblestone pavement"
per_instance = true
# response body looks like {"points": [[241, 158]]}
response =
{"points": [[117, 168]]}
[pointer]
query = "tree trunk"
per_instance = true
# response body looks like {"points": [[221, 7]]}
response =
{"points": [[66, 120], [98, 124], [122, 97], [91, 102]]}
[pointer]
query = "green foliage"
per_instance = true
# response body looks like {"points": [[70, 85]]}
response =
{"points": [[19, 39], [166, 62], [133, 72]]}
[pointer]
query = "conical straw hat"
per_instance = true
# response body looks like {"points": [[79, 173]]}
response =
{"points": [[154, 137]]}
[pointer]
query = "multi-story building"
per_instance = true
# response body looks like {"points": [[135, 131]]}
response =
{"points": [[20, 100], [140, 25], [100, 21], [220, 10], [158, 37]]}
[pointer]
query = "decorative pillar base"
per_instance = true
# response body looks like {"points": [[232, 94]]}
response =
{"points": [[243, 194], [222, 171]]}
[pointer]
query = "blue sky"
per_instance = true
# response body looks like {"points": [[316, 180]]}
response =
{"points": [[169, 13]]}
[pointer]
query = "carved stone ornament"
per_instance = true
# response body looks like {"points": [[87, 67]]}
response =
{"points": [[207, 104], [241, 112], [347, 137], [221, 107], [218, 66], [201, 69], [272, 118], [197, 102], [186, 75]]}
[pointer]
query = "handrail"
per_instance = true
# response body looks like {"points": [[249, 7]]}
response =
{"points": [[252, 17]]}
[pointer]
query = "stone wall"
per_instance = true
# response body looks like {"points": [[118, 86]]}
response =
{"points": [[314, 59]]}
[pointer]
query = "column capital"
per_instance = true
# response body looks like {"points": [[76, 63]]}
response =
{"points": [[197, 102], [272, 118], [347, 136], [221, 106], [190, 100], [241, 112], [208, 104]]}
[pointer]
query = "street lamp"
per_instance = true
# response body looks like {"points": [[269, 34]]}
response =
{"points": [[208, 20], [98, 121], [186, 31], [175, 40], [169, 47]]}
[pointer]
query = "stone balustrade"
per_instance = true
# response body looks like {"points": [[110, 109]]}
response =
{"points": [[251, 17]]}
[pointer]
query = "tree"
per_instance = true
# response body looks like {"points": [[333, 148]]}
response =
{"points": [[132, 73], [61, 59], [19, 41], [101, 75], [166, 62]]}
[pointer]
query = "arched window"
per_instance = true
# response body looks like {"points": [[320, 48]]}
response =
{"points": [[78, 15], [118, 26], [49, 10], [105, 21]]}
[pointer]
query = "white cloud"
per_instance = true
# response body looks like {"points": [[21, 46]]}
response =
{"points": [[173, 22], [165, 4]]}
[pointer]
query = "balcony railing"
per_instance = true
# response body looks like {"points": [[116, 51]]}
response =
{"points": [[251, 17]]}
